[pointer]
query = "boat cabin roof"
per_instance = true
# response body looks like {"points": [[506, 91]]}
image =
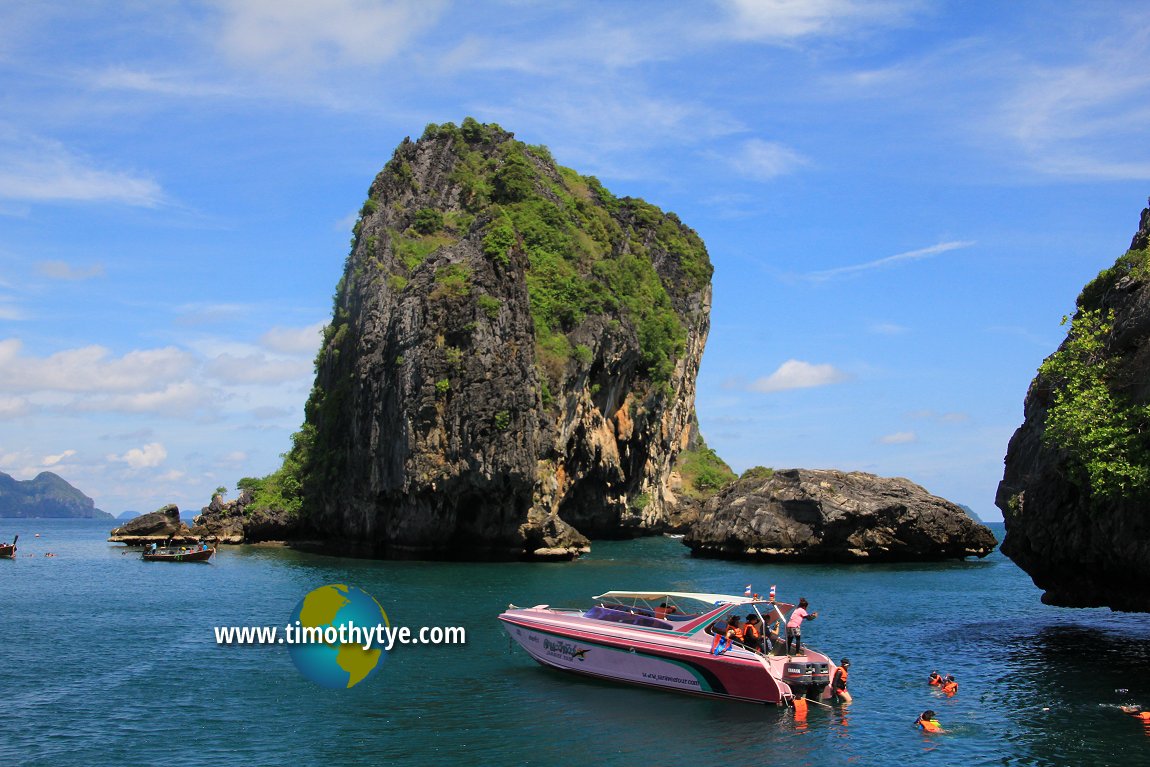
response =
{"points": [[650, 596]]}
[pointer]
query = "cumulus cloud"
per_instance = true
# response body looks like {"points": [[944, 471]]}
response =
{"points": [[148, 456], [796, 374], [90, 369], [175, 398], [52, 460], [294, 340], [898, 438]]}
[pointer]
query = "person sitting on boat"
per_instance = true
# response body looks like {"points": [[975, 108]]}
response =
{"points": [[753, 633], [949, 686], [795, 626], [734, 631], [663, 610], [927, 723], [935, 679]]}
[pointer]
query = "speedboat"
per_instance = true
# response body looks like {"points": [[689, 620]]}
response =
{"points": [[667, 640]]}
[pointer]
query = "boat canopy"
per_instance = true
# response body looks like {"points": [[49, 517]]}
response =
{"points": [[715, 599]]}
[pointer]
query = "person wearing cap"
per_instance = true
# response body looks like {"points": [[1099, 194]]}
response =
{"points": [[839, 683]]}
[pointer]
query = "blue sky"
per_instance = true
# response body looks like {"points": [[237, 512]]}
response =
{"points": [[901, 200]]}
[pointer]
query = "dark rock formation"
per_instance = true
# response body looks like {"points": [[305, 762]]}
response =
{"points": [[1083, 545], [155, 527], [511, 362], [834, 516], [47, 496], [237, 521]]}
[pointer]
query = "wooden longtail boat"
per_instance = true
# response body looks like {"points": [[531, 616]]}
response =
{"points": [[178, 555], [8, 550]]}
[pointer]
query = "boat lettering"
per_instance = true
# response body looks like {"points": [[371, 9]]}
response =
{"points": [[565, 650], [675, 679]]}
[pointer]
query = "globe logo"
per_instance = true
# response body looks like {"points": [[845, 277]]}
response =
{"points": [[342, 663]]}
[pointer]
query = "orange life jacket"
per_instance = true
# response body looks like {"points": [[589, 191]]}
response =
{"points": [[950, 688], [800, 708], [929, 725], [751, 633], [935, 680], [841, 675], [1143, 715]]}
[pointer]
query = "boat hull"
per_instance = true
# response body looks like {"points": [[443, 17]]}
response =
{"points": [[202, 555], [7, 551], [673, 664]]}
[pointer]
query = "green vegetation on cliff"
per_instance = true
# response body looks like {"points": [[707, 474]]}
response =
{"points": [[585, 256], [1102, 431], [703, 472], [589, 253]]}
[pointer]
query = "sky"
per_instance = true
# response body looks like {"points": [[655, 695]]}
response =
{"points": [[901, 198]]}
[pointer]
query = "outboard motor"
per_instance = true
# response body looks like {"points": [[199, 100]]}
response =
{"points": [[806, 678]]}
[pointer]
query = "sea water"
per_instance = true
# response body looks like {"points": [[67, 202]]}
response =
{"points": [[108, 660]]}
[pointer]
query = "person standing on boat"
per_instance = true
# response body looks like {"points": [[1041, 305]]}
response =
{"points": [[795, 626], [839, 683]]}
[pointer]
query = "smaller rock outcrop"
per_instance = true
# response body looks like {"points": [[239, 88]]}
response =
{"points": [[156, 527], [834, 516], [236, 521]]}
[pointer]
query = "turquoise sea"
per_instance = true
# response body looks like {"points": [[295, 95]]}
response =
{"points": [[107, 660]]}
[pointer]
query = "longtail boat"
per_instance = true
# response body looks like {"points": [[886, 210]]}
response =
{"points": [[8, 550], [178, 554]]}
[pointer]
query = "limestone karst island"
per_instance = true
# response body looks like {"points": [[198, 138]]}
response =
{"points": [[509, 372]]}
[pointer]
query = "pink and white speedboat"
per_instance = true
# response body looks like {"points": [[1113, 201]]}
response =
{"points": [[665, 640]]}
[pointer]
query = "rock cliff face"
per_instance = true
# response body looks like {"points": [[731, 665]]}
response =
{"points": [[155, 527], [1076, 486], [238, 521], [511, 363], [834, 516]]}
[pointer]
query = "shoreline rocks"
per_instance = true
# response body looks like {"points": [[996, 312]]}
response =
{"points": [[825, 515]]}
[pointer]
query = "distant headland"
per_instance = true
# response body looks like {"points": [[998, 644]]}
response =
{"points": [[47, 496]]}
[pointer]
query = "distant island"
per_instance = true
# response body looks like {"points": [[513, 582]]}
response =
{"points": [[128, 514], [48, 496]]}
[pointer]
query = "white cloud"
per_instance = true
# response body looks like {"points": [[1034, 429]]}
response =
{"points": [[148, 456], [796, 374], [33, 169], [781, 20], [294, 340], [898, 438], [882, 263], [62, 270], [13, 407], [175, 398], [257, 369], [765, 160], [90, 369], [52, 460], [301, 35]]}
